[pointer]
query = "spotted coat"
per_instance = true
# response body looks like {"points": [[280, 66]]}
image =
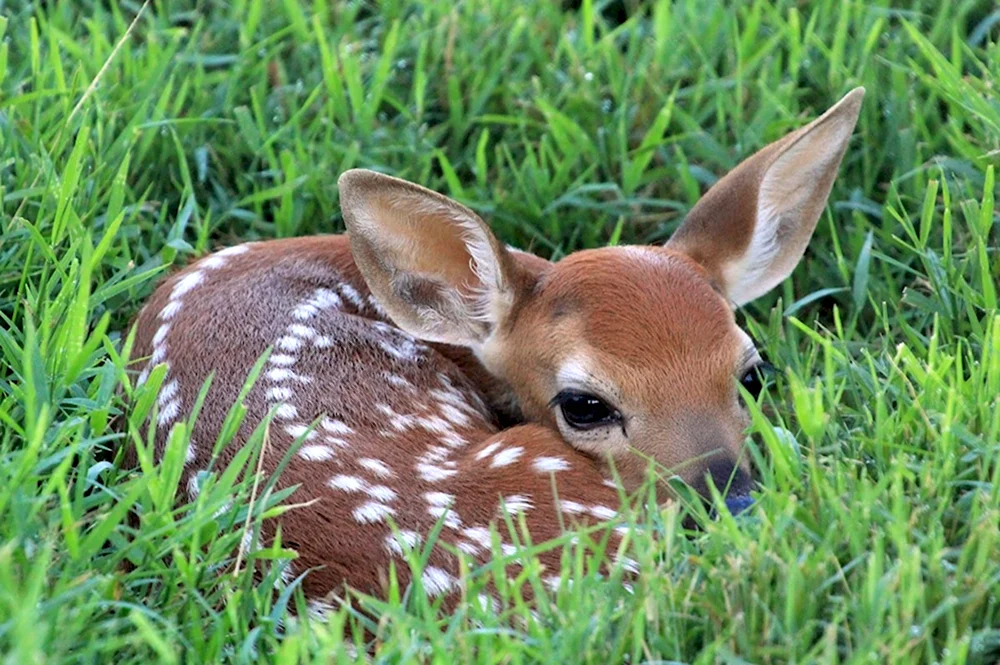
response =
{"points": [[393, 431]]}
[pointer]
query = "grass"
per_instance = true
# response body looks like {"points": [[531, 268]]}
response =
{"points": [[877, 535]]}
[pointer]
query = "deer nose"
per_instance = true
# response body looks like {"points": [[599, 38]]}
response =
{"points": [[730, 478], [737, 504]]}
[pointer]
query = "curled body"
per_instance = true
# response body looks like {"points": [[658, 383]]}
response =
{"points": [[402, 351], [392, 431]]}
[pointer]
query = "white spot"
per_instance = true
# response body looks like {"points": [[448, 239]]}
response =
{"points": [[324, 298], [603, 512], [517, 503], [167, 392], [375, 306], [334, 441], [506, 457], [351, 294], [161, 334], [278, 393], [432, 473], [286, 412], [248, 544], [406, 351], [454, 415], [553, 582], [435, 424], [451, 396], [396, 380], [436, 454], [282, 359], [469, 548], [439, 498], [453, 440], [322, 342], [212, 262], [317, 452], [402, 542], [401, 422], [549, 464], [191, 452], [347, 483], [298, 430], [186, 283], [478, 535], [170, 310], [377, 467], [450, 517], [234, 250], [609, 483], [628, 563], [488, 603], [159, 355], [572, 507], [335, 426], [372, 512], [143, 377], [193, 486], [279, 374], [290, 343], [300, 330], [318, 609], [488, 450], [304, 311], [381, 493], [169, 412], [437, 581], [287, 573]]}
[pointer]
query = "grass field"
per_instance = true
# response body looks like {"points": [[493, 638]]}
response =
{"points": [[130, 146]]}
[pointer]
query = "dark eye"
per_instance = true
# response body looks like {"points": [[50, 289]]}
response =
{"points": [[753, 379], [583, 411]]}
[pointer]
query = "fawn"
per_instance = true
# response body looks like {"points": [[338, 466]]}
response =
{"points": [[397, 349]]}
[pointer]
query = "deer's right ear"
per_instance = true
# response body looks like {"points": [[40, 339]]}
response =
{"points": [[431, 263]]}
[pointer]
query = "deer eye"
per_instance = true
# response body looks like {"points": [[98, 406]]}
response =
{"points": [[584, 411], [753, 379]]}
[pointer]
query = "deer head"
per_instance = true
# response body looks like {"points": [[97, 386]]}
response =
{"points": [[629, 353]]}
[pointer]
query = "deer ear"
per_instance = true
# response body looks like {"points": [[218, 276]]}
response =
{"points": [[751, 228], [431, 263]]}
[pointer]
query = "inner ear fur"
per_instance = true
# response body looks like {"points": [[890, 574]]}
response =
{"points": [[751, 228], [432, 263]]}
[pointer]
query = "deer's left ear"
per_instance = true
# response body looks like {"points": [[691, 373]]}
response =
{"points": [[751, 228]]}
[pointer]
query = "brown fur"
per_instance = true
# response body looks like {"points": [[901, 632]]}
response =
{"points": [[241, 309], [410, 430]]}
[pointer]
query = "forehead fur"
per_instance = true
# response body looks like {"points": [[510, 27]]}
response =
{"points": [[640, 304]]}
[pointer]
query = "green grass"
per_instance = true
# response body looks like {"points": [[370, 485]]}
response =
{"points": [[877, 535]]}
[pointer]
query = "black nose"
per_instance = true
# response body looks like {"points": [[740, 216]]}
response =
{"points": [[734, 481], [737, 504]]}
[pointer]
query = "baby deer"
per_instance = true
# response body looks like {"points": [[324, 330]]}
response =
{"points": [[397, 348]]}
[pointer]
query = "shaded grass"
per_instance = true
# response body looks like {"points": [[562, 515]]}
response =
{"points": [[877, 536]]}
